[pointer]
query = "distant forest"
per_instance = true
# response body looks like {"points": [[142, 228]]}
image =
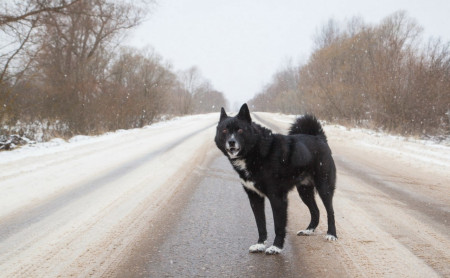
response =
{"points": [[375, 76], [65, 71]]}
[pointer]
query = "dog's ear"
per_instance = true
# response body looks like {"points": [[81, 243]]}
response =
{"points": [[244, 113], [223, 115]]}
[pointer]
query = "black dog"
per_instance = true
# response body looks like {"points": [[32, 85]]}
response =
{"points": [[270, 165]]}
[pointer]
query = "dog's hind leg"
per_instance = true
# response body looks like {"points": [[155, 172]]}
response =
{"points": [[326, 194], [306, 193], [257, 204]]}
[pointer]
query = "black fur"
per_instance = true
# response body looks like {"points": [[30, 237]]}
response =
{"points": [[270, 165], [308, 124]]}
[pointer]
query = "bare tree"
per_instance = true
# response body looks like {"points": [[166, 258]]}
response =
{"points": [[283, 93], [379, 76], [18, 22], [207, 100], [328, 34], [61, 66], [190, 81], [140, 87], [74, 54], [24, 10]]}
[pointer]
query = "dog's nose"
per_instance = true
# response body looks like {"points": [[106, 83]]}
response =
{"points": [[232, 143]]}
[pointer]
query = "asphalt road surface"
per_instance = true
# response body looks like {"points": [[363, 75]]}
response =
{"points": [[208, 233]]}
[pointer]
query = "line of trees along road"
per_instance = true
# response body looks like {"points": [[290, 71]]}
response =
{"points": [[62, 67], [377, 76]]}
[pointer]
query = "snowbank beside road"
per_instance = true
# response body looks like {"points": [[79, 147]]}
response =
{"points": [[57, 144], [426, 153]]}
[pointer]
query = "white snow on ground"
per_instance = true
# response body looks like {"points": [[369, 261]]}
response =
{"points": [[57, 144], [23, 175], [423, 152], [414, 152]]}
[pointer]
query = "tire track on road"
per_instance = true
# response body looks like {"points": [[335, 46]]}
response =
{"points": [[422, 205], [13, 224]]}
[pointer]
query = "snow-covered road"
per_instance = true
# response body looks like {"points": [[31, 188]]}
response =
{"points": [[81, 208], [72, 209]]}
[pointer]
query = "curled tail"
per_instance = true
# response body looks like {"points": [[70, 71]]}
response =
{"points": [[307, 124]]}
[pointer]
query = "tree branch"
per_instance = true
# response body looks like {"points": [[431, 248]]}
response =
{"points": [[5, 19]]}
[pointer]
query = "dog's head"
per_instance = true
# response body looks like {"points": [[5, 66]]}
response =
{"points": [[235, 136]]}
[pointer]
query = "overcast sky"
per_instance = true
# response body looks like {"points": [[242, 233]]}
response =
{"points": [[239, 44]]}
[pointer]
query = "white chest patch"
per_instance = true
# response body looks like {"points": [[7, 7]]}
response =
{"points": [[251, 186], [241, 165]]}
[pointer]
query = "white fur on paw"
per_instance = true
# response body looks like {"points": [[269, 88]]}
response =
{"points": [[330, 238], [306, 232], [259, 247], [272, 250]]}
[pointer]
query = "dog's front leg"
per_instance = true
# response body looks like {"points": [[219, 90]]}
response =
{"points": [[279, 209], [257, 204]]}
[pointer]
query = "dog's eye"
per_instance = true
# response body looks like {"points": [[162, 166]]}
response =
{"points": [[240, 131], [225, 131]]}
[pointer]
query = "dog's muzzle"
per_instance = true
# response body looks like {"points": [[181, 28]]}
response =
{"points": [[232, 147]]}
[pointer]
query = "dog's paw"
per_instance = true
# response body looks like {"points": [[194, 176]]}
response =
{"points": [[306, 232], [330, 237], [273, 250], [255, 248]]}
